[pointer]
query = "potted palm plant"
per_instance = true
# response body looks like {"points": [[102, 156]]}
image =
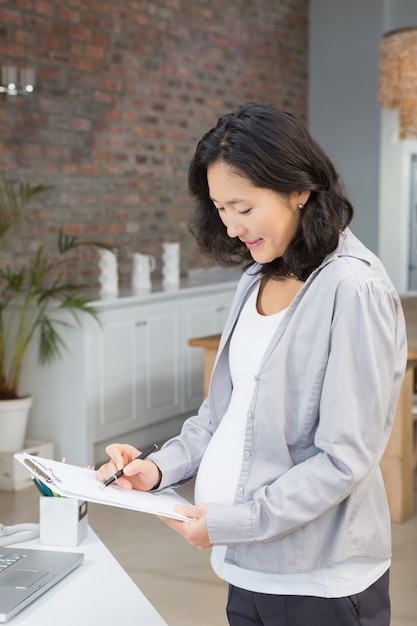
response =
{"points": [[31, 299]]}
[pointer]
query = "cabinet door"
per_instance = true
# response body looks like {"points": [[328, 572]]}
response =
{"points": [[202, 316], [112, 375], [156, 346]]}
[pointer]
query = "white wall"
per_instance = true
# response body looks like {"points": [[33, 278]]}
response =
{"points": [[360, 137], [395, 170], [344, 113], [394, 209]]}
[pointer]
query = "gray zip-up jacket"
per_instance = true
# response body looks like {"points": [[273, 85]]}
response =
{"points": [[310, 490]]}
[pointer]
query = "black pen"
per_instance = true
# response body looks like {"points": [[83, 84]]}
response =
{"points": [[142, 455]]}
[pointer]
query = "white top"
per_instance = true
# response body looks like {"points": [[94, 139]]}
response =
{"points": [[220, 467]]}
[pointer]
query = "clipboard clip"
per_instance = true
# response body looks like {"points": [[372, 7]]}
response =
{"points": [[46, 474]]}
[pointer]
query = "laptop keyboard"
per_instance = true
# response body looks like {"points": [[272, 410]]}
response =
{"points": [[6, 561]]}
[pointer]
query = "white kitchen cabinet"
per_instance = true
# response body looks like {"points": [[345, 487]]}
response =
{"points": [[131, 377], [201, 316], [135, 367], [157, 356], [110, 362]]}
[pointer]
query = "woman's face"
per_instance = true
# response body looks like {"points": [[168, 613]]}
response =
{"points": [[262, 219]]}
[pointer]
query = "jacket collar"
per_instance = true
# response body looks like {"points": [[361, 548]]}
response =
{"points": [[350, 246]]}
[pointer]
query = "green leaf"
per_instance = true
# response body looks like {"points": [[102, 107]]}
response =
{"points": [[50, 343]]}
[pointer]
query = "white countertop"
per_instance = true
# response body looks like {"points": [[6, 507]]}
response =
{"points": [[198, 281], [97, 592]]}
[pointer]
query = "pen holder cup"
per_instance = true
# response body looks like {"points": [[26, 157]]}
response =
{"points": [[63, 521]]}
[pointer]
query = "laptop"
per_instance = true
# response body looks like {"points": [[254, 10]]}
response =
{"points": [[27, 574]]}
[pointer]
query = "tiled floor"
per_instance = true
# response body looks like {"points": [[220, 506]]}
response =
{"points": [[178, 579]]}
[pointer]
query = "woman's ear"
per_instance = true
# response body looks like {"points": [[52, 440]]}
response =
{"points": [[303, 196], [299, 198]]}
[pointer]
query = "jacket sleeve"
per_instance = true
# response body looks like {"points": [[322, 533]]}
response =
{"points": [[179, 458]]}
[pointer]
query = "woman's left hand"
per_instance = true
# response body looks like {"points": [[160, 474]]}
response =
{"points": [[195, 531]]}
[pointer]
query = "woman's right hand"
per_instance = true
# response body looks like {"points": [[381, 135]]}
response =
{"points": [[137, 474]]}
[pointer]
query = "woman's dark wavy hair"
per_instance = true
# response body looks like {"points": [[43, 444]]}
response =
{"points": [[272, 150]]}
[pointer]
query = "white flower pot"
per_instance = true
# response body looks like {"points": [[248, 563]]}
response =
{"points": [[14, 416]]}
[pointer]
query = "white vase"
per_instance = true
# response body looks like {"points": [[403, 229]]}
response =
{"points": [[171, 264], [108, 278], [143, 266], [14, 416]]}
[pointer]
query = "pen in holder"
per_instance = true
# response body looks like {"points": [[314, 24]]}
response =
{"points": [[63, 521]]}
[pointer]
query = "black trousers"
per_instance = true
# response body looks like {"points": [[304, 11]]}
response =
{"points": [[369, 608]]}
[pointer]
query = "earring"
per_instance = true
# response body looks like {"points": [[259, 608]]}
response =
{"points": [[300, 206]]}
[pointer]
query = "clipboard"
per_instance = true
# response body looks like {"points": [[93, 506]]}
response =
{"points": [[81, 483]]}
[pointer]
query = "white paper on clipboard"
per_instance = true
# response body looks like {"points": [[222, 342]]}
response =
{"points": [[80, 483]]}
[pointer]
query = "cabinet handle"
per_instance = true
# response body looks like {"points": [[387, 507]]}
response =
{"points": [[143, 323]]}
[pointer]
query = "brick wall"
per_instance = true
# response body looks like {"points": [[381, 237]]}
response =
{"points": [[125, 88]]}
